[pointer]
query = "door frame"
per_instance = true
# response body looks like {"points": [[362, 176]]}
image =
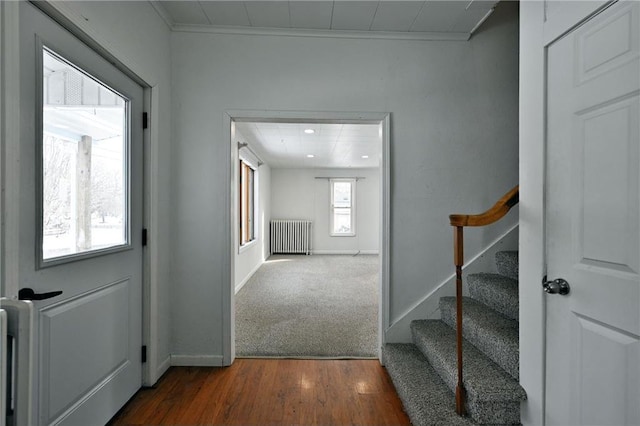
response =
{"points": [[10, 167], [228, 290], [539, 28]]}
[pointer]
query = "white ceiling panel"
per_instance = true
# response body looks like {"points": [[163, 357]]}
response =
{"points": [[326, 130], [359, 130], [227, 13], [439, 16], [186, 12], [268, 14], [285, 145], [396, 15], [470, 18], [311, 14], [353, 15], [485, 5]]}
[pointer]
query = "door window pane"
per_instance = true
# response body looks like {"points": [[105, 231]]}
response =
{"points": [[84, 162]]}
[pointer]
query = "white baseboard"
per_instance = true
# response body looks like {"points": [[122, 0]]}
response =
{"points": [[248, 277], [352, 252], [428, 306], [196, 360], [163, 367]]}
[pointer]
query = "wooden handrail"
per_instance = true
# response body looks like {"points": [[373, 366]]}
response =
{"points": [[459, 221], [492, 215]]}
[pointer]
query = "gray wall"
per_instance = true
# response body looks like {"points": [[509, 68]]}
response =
{"points": [[297, 194], [454, 145]]}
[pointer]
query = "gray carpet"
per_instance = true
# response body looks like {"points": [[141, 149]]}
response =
{"points": [[320, 306]]}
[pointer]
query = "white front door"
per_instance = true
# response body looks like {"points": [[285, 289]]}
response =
{"points": [[80, 224], [593, 234]]}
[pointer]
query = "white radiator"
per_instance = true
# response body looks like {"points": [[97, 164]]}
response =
{"points": [[16, 354], [291, 236]]}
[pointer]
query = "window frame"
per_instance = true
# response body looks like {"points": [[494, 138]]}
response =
{"points": [[333, 208], [42, 260], [249, 197]]}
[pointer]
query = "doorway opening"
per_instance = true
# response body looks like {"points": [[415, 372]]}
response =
{"points": [[309, 235]]}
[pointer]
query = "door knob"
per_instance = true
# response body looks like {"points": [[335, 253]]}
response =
{"points": [[30, 294], [558, 286]]}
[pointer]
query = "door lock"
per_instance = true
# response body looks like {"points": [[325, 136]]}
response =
{"points": [[558, 286]]}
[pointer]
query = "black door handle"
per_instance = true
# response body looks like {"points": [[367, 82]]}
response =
{"points": [[29, 294]]}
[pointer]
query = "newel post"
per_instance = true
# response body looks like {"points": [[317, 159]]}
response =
{"points": [[458, 255]]}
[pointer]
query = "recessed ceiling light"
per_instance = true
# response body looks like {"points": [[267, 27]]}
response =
{"points": [[310, 155], [309, 131], [365, 156]]}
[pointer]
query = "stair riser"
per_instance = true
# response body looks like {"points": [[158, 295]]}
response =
{"points": [[484, 289], [494, 413], [507, 263]]}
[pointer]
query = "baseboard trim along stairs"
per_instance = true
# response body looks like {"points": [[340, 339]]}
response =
{"points": [[425, 372]]}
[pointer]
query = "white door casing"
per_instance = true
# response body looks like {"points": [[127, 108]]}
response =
{"points": [[89, 338], [383, 119], [592, 221]]}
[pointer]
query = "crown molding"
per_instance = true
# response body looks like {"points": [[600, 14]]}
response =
{"points": [[286, 32]]}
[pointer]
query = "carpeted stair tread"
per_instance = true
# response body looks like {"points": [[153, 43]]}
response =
{"points": [[499, 292], [507, 263], [426, 399], [493, 396], [494, 334], [484, 379]]}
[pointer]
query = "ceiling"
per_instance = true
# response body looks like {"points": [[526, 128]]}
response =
{"points": [[286, 145], [453, 17]]}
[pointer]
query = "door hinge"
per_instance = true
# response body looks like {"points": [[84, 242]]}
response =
{"points": [[145, 120], [144, 237], [144, 354]]}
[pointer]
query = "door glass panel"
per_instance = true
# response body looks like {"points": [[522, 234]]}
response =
{"points": [[84, 162]]}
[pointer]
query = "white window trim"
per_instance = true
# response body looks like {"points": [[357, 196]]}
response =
{"points": [[353, 207], [247, 245], [249, 159], [253, 164]]}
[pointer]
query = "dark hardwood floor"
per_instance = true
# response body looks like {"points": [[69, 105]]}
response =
{"points": [[269, 392]]}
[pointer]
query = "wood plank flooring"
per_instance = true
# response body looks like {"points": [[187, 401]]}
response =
{"points": [[269, 392]]}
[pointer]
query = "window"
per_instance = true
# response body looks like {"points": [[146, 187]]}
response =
{"points": [[343, 207], [84, 166], [247, 203]]}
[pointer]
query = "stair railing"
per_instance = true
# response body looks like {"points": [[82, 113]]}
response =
{"points": [[459, 221]]}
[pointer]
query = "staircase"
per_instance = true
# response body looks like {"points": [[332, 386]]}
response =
{"points": [[425, 372]]}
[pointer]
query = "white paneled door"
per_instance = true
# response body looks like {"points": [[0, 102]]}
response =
{"points": [[593, 234], [81, 222]]}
